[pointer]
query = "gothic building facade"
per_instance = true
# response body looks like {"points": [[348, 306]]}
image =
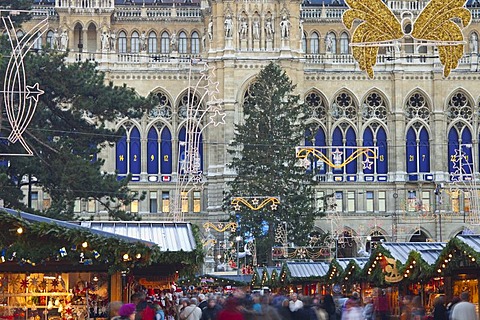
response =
{"points": [[424, 128]]}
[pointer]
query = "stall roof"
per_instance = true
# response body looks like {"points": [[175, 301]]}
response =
{"points": [[70, 225], [401, 250], [343, 262], [472, 240], [169, 236], [307, 269]]}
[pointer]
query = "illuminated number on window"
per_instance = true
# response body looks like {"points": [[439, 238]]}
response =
{"points": [[152, 157], [466, 157], [423, 157], [121, 158], [165, 158], [134, 157], [453, 158], [411, 158], [382, 157]]}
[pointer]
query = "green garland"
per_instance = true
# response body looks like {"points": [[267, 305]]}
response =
{"points": [[43, 243], [355, 273]]}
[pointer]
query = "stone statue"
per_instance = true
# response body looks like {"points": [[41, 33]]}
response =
{"points": [[228, 27], [113, 40], [269, 29], [473, 43], [256, 29], [300, 26], [285, 27], [143, 42], [210, 30], [244, 29], [54, 44], [173, 41], [64, 40], [328, 44], [105, 41], [204, 40]]}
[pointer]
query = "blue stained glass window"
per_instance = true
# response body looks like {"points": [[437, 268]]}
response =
{"points": [[467, 165], [152, 151], [368, 142], [351, 141], [452, 149], [121, 155], [135, 151], [166, 151], [411, 151], [382, 161], [424, 151], [337, 141]]}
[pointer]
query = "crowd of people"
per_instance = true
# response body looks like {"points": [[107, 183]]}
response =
{"points": [[240, 305]]}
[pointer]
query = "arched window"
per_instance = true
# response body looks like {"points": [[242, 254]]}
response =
{"points": [[135, 43], [135, 151], [122, 42], [128, 153], [182, 42], [50, 39], [152, 42], [375, 161], [314, 43], [195, 43], [196, 146], [165, 43], [159, 151], [460, 152], [316, 137], [344, 44], [418, 151], [37, 45], [343, 137]]}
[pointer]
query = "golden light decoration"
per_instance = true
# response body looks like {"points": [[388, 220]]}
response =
{"points": [[306, 152], [220, 227], [255, 203], [434, 26], [209, 242]]}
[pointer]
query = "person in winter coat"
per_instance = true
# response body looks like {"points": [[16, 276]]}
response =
{"points": [[231, 311], [127, 311], [368, 310], [191, 312], [211, 311]]}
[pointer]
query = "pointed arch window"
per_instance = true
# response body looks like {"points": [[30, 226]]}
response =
{"points": [[195, 141], [128, 152], [344, 136], [37, 45], [122, 42], [165, 43], [418, 151], [344, 43], [159, 151], [135, 43], [195, 43], [50, 39], [375, 136], [316, 137], [460, 155], [314, 43], [152, 42], [182, 42]]}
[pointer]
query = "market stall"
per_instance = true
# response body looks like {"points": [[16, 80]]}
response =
{"points": [[303, 277]]}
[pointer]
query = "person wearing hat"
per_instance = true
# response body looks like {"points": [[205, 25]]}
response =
{"points": [[127, 311]]}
